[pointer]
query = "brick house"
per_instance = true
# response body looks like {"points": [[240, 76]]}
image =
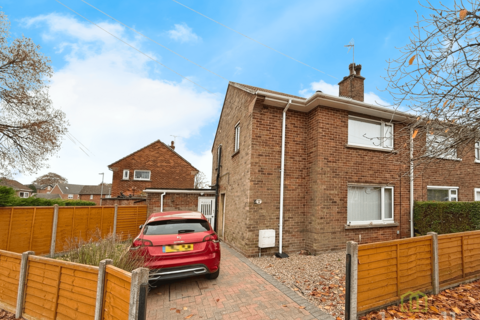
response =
{"points": [[46, 188], [94, 193], [338, 185], [68, 191], [21, 190], [156, 165]]}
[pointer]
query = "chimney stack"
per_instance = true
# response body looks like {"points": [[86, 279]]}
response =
{"points": [[172, 145], [352, 86]]}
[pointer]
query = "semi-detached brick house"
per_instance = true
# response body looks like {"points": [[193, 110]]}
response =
{"points": [[338, 185], [67, 191], [93, 193], [154, 166]]}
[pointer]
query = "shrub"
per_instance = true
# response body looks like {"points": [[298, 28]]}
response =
{"points": [[446, 217], [95, 249], [9, 199]]}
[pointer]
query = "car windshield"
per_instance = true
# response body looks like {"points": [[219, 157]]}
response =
{"points": [[176, 226]]}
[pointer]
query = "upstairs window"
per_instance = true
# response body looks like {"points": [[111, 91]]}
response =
{"points": [[91, 196], [142, 175], [237, 137], [23, 194], [370, 133], [442, 193], [126, 174], [441, 147], [477, 151], [369, 204], [70, 196]]}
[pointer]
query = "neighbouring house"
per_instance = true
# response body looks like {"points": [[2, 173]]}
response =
{"points": [[155, 166], [68, 191], [48, 196], [94, 193], [336, 184], [46, 188], [21, 190]]}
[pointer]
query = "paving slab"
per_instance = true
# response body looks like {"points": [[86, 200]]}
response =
{"points": [[242, 291]]}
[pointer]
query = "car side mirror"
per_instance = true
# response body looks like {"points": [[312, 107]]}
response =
{"points": [[141, 226]]}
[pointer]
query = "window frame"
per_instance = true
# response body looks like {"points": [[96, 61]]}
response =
{"points": [[477, 152], [236, 146], [450, 196], [91, 196], [70, 196], [140, 179], [475, 190], [128, 174], [382, 206], [446, 157], [382, 123], [23, 193]]}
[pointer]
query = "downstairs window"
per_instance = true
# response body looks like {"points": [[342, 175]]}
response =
{"points": [[369, 204], [442, 193]]}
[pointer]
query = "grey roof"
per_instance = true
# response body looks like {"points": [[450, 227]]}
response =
{"points": [[67, 188], [96, 190], [50, 196], [14, 184]]}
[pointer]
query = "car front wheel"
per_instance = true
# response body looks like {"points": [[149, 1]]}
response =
{"points": [[212, 276]]}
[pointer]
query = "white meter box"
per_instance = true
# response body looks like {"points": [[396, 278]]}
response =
{"points": [[266, 238]]}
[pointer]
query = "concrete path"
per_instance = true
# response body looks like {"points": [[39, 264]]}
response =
{"points": [[242, 291]]}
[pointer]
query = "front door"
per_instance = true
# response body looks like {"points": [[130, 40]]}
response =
{"points": [[206, 205]]}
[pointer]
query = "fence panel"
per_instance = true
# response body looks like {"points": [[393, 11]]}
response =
{"points": [[389, 269], [459, 257], [129, 219], [59, 289], [116, 297], [9, 275]]}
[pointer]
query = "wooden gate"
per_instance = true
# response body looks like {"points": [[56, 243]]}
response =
{"points": [[206, 205]]}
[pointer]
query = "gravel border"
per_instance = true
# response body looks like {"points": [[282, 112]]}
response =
{"points": [[314, 311]]}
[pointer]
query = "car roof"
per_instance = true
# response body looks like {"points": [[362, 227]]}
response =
{"points": [[171, 215]]}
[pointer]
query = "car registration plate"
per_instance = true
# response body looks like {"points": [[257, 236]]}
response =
{"points": [[178, 248]]}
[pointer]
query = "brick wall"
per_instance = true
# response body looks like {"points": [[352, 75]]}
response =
{"points": [[124, 202], [168, 170], [173, 202]]}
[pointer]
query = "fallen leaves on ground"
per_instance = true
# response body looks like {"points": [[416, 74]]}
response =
{"points": [[463, 300], [5, 315]]}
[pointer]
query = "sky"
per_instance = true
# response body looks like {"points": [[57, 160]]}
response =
{"points": [[117, 100]]}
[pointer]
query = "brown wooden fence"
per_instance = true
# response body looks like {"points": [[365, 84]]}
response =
{"points": [[54, 289], [31, 228], [387, 270]]}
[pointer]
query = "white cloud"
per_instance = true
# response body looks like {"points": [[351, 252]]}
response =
{"points": [[183, 33], [333, 90], [113, 105]]}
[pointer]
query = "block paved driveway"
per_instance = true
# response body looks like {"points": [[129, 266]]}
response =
{"points": [[242, 291]]}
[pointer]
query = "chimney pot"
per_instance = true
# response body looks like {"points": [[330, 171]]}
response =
{"points": [[173, 145], [352, 86]]}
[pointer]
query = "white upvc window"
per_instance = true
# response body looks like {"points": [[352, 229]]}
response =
{"points": [[237, 137], [23, 194], [441, 193], [107, 196], [141, 175], [370, 204], [477, 151], [370, 133], [91, 196], [70, 196], [476, 194], [440, 147], [126, 174]]}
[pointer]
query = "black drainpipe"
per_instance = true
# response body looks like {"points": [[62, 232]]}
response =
{"points": [[217, 187]]}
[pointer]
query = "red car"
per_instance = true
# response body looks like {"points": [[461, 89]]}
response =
{"points": [[178, 244]]}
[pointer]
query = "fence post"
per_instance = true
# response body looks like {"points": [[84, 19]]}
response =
{"points": [[100, 286], [22, 279], [351, 308], [142, 306], [435, 269], [54, 230], [115, 223], [139, 277]]}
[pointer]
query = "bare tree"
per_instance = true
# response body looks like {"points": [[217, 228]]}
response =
{"points": [[30, 128], [50, 179], [436, 78], [201, 181]]}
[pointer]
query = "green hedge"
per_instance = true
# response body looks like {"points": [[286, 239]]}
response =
{"points": [[8, 199], [446, 217]]}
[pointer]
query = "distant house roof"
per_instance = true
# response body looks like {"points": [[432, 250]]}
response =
{"points": [[67, 188], [43, 186], [50, 196], [157, 141], [96, 190], [14, 184], [255, 89]]}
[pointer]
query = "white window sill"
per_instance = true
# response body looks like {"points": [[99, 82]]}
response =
{"points": [[141, 180], [370, 148], [477, 161], [372, 225], [447, 158]]}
